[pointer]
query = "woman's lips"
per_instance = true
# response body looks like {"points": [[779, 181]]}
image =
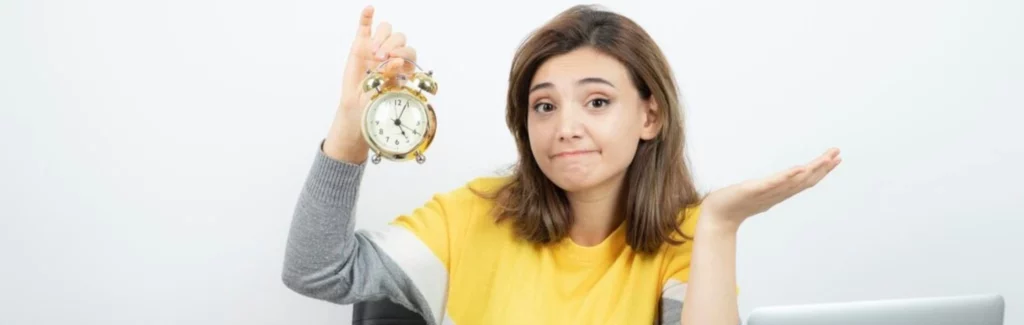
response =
{"points": [[572, 153]]}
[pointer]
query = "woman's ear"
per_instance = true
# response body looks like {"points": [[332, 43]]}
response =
{"points": [[652, 120]]}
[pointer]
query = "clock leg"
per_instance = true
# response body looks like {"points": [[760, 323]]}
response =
{"points": [[420, 158], [376, 158]]}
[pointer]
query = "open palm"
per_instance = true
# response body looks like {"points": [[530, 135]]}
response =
{"points": [[734, 204]]}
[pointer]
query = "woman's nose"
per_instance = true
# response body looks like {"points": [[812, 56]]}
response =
{"points": [[570, 124]]}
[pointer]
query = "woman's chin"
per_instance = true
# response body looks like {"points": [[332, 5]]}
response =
{"points": [[575, 180]]}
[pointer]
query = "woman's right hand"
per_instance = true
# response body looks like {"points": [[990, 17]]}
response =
{"points": [[369, 48]]}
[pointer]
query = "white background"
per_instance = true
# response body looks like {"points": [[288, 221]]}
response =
{"points": [[152, 151]]}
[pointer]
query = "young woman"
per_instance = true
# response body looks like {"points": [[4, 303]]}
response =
{"points": [[600, 222]]}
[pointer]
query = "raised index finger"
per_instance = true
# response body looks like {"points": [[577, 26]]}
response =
{"points": [[365, 22]]}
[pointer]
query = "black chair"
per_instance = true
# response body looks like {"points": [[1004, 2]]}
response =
{"points": [[384, 312]]}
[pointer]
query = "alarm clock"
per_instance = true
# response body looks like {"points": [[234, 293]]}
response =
{"points": [[398, 121]]}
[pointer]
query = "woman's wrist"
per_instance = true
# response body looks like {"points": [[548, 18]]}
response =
{"points": [[713, 226]]}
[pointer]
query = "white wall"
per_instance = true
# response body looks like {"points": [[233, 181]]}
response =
{"points": [[153, 150]]}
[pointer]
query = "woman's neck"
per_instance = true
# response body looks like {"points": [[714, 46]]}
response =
{"points": [[597, 211]]}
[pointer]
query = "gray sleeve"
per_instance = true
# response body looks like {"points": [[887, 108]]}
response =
{"points": [[671, 311], [326, 258]]}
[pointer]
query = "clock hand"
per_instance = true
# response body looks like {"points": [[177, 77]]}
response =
{"points": [[403, 111], [399, 124]]}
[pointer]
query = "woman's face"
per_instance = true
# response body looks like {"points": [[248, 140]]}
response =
{"points": [[585, 119]]}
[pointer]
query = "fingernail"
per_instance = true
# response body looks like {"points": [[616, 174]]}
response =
{"points": [[382, 55]]}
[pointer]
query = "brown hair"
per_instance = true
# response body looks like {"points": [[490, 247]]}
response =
{"points": [[658, 182]]}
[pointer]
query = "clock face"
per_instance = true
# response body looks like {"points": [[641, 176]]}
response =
{"points": [[397, 122]]}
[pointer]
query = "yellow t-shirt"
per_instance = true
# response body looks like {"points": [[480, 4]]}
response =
{"points": [[473, 270]]}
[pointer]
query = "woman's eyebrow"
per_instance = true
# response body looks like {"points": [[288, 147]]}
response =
{"points": [[581, 82]]}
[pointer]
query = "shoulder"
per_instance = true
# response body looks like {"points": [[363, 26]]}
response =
{"points": [[445, 218], [469, 200], [475, 193], [487, 184], [676, 257], [475, 190], [687, 221]]}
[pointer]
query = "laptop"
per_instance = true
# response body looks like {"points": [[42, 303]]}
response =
{"points": [[952, 310]]}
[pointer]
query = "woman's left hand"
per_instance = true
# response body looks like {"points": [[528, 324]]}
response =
{"points": [[728, 207]]}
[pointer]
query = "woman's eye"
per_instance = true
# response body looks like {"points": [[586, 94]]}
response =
{"points": [[598, 103], [543, 107]]}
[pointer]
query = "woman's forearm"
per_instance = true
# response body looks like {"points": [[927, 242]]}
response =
{"points": [[711, 289]]}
